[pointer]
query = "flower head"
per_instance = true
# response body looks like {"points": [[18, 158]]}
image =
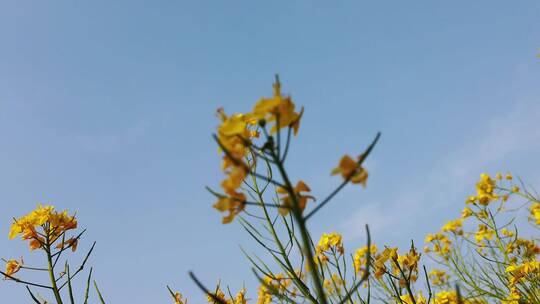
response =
{"points": [[13, 266], [359, 258], [278, 109], [329, 242], [302, 199], [52, 223], [350, 169], [234, 204]]}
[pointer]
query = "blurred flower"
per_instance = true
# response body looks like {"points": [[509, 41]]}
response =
{"points": [[12, 267], [280, 108], [350, 169], [300, 187]]}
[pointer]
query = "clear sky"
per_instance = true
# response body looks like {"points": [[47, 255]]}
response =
{"points": [[106, 109]]}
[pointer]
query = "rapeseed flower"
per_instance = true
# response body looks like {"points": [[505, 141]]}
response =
{"points": [[179, 299], [418, 299], [234, 204], [485, 190], [280, 108], [13, 266], [535, 213], [438, 277], [329, 241], [52, 223], [483, 233], [466, 212], [359, 258], [302, 199], [351, 169], [454, 226]]}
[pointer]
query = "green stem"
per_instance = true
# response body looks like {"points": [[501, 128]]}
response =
{"points": [[51, 270], [303, 288], [297, 213]]}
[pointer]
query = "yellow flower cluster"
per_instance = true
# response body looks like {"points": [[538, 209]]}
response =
{"points": [[518, 272], [359, 258], [483, 233], [438, 277], [418, 299], [329, 242], [440, 243], [232, 135], [451, 297], [502, 244], [52, 223], [484, 191], [380, 260], [235, 135], [407, 266]]}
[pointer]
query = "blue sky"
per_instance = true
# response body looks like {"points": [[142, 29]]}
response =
{"points": [[106, 108]]}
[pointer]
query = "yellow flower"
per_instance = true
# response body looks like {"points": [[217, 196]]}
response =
{"points": [[441, 244], [240, 297], [410, 260], [484, 190], [329, 241], [535, 213], [12, 267], [446, 297], [408, 264], [518, 272], [515, 189], [507, 232], [483, 233], [528, 248], [438, 277], [234, 204], [236, 176], [466, 212], [470, 200], [71, 242], [387, 254], [234, 136], [264, 296], [278, 107], [482, 214], [350, 169], [178, 299], [218, 294], [53, 224], [359, 259], [454, 226], [418, 299], [300, 187], [334, 284]]}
